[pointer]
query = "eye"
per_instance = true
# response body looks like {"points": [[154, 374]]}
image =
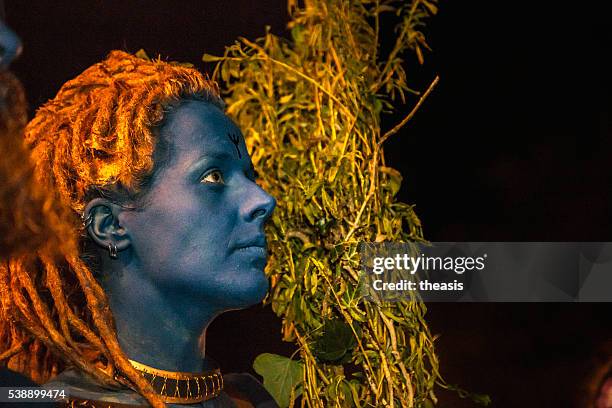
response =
{"points": [[213, 177]]}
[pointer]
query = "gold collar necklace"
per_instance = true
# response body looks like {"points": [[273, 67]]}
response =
{"points": [[181, 387]]}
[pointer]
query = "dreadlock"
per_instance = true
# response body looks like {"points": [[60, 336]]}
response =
{"points": [[95, 138], [29, 217]]}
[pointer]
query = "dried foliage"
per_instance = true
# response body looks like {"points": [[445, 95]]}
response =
{"points": [[311, 110]]}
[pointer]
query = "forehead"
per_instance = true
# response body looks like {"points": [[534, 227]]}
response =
{"points": [[196, 127]]}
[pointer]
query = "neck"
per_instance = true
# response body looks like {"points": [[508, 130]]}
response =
{"points": [[162, 329]]}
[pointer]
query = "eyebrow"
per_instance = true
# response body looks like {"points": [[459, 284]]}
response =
{"points": [[221, 156], [216, 155]]}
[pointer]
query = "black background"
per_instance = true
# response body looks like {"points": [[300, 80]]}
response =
{"points": [[513, 145]]}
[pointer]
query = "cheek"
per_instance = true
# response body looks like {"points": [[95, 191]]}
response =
{"points": [[186, 235], [159, 229]]}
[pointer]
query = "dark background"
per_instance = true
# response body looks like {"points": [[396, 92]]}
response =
{"points": [[513, 145]]}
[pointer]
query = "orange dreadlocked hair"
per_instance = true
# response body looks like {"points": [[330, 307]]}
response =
{"points": [[29, 217], [95, 138]]}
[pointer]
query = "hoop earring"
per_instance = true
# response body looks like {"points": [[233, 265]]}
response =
{"points": [[112, 250]]}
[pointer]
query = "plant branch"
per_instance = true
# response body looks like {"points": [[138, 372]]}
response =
{"points": [[411, 114]]}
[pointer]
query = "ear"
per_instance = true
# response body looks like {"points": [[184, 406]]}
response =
{"points": [[101, 219]]}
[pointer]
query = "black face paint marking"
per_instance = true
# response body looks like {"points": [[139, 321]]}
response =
{"points": [[235, 140]]}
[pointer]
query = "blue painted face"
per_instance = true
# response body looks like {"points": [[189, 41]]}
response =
{"points": [[10, 45], [200, 232]]}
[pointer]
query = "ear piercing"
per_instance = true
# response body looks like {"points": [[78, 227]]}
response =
{"points": [[112, 250], [87, 220]]}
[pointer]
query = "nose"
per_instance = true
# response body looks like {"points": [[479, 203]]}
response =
{"points": [[259, 205], [10, 45]]}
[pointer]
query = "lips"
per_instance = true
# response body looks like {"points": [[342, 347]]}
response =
{"points": [[255, 251], [258, 241], [252, 252], [256, 245]]}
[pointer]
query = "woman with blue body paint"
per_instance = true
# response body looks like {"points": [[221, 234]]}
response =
{"points": [[170, 235]]}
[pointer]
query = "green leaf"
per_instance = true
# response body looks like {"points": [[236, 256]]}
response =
{"points": [[297, 33], [211, 58], [142, 54], [281, 376], [481, 399], [428, 404], [395, 179], [336, 343]]}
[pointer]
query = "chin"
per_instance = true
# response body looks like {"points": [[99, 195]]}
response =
{"points": [[252, 290]]}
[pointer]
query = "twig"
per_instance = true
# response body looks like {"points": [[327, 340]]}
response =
{"points": [[397, 355], [412, 112], [299, 235]]}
